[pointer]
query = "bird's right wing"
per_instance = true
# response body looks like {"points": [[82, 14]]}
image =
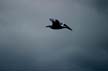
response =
{"points": [[66, 26], [55, 22], [52, 20]]}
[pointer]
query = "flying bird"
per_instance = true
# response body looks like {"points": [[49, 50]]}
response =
{"points": [[56, 24]]}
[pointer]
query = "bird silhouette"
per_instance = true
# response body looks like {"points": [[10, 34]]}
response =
{"points": [[56, 24]]}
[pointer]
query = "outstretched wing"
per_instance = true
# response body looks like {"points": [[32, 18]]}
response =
{"points": [[55, 22], [52, 20], [66, 26]]}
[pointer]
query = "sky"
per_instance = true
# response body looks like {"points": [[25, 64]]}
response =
{"points": [[27, 45]]}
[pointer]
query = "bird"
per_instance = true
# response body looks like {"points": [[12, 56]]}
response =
{"points": [[56, 24]]}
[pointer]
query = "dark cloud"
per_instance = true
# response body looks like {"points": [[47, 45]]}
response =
{"points": [[99, 5], [102, 4], [26, 45]]}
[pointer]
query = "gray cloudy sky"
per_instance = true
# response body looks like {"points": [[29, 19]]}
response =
{"points": [[27, 45]]}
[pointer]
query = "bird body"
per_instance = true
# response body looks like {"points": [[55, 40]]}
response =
{"points": [[56, 24]]}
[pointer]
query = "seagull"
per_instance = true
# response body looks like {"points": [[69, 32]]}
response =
{"points": [[56, 24]]}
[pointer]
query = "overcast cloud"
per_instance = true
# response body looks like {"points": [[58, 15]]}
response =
{"points": [[27, 45]]}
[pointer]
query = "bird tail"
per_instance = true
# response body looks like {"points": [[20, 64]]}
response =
{"points": [[66, 26]]}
